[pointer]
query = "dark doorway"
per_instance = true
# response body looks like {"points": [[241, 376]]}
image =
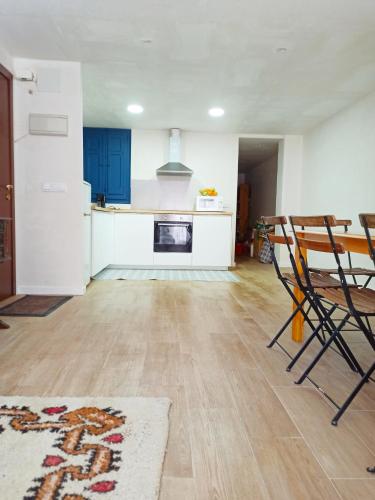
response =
{"points": [[7, 260], [257, 183]]}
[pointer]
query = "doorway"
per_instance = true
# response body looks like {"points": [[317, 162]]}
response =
{"points": [[256, 195], [7, 260]]}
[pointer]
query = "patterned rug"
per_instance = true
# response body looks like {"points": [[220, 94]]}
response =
{"points": [[166, 275], [82, 448]]}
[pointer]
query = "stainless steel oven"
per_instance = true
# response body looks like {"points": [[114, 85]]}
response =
{"points": [[173, 233]]}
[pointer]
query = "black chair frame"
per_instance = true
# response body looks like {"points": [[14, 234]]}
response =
{"points": [[363, 325]]}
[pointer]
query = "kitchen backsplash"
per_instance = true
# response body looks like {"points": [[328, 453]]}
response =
{"points": [[164, 194]]}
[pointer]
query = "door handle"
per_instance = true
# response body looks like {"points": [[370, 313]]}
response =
{"points": [[8, 188]]}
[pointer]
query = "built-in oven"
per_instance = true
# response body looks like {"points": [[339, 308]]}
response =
{"points": [[173, 233]]}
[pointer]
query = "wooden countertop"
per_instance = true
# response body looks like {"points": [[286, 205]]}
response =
{"points": [[146, 211]]}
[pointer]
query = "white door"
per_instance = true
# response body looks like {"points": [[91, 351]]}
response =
{"points": [[212, 240], [134, 239]]}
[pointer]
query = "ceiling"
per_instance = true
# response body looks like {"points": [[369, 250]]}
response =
{"points": [[252, 152], [178, 58]]}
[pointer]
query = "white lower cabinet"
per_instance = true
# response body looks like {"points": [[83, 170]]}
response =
{"points": [[212, 238], [128, 240], [102, 240], [173, 259], [134, 239]]}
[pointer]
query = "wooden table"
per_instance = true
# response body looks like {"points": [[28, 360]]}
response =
{"points": [[355, 243]]}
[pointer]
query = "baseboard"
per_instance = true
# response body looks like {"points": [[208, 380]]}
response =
{"points": [[187, 268], [50, 290]]}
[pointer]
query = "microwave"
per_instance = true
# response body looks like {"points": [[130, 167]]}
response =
{"points": [[209, 204]]}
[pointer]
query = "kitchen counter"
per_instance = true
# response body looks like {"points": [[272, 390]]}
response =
{"points": [[146, 211], [128, 241]]}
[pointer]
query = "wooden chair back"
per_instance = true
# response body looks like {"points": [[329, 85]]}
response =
{"points": [[367, 220], [274, 220], [277, 220], [312, 220], [273, 238], [343, 222], [320, 246], [283, 239]]}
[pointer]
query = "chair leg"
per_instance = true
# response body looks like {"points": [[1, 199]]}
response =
{"points": [[343, 347], [283, 328], [314, 334], [333, 336], [349, 352], [304, 347], [340, 343], [353, 394]]}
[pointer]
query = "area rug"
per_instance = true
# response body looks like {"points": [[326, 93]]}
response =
{"points": [[166, 275], [34, 305], [82, 448]]}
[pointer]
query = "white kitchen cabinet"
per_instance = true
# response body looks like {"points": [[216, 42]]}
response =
{"points": [[134, 239], [102, 240], [172, 260], [212, 240]]}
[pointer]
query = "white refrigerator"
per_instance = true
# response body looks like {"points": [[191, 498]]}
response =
{"points": [[87, 231]]}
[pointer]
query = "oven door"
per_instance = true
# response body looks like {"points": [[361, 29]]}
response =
{"points": [[173, 236]]}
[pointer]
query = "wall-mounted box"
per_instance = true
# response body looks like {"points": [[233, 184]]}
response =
{"points": [[48, 124], [54, 187]]}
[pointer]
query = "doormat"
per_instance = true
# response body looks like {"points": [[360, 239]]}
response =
{"points": [[166, 275], [34, 305], [82, 448]]}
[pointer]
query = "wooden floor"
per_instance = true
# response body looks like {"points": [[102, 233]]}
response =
{"points": [[239, 427]]}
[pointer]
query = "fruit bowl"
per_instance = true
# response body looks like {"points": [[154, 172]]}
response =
{"points": [[208, 192]]}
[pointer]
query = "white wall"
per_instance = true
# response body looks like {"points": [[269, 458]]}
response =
{"points": [[338, 174], [49, 226], [263, 184], [6, 60], [212, 157], [289, 179]]}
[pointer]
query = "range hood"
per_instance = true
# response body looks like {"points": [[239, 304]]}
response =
{"points": [[174, 166]]}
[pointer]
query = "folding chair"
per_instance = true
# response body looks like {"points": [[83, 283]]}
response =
{"points": [[357, 303], [286, 278], [309, 284], [292, 280]]}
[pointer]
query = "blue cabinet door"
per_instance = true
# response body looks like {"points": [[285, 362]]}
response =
{"points": [[107, 154], [118, 173]]}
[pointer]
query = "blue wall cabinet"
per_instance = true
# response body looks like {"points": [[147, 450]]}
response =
{"points": [[106, 163]]}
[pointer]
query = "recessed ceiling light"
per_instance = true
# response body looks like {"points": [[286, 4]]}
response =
{"points": [[281, 50], [135, 108], [216, 112], [146, 41]]}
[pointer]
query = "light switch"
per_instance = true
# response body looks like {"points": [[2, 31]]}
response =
{"points": [[54, 187]]}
